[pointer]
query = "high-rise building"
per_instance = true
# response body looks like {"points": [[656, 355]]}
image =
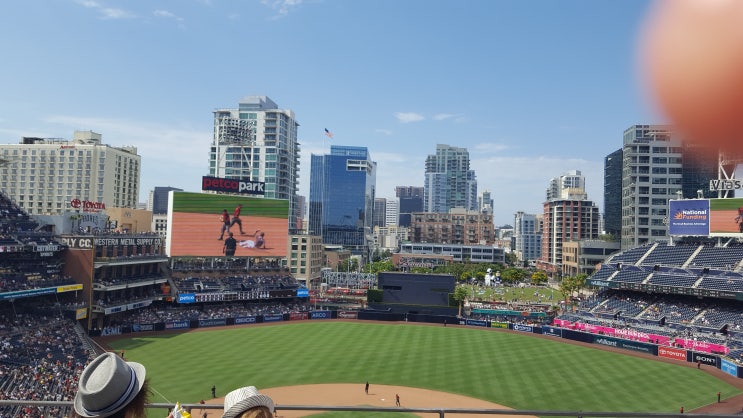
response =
{"points": [[459, 226], [49, 176], [380, 212], [304, 259], [700, 165], [158, 202], [411, 201], [567, 183], [392, 213], [527, 237], [258, 142], [565, 220], [568, 215], [613, 194], [449, 182], [485, 202], [652, 170], [342, 189]]}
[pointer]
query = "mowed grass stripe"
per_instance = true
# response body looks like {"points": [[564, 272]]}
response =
{"points": [[511, 369]]}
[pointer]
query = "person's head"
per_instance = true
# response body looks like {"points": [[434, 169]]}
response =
{"points": [[112, 387], [246, 402], [230, 234], [224, 210], [239, 205]]}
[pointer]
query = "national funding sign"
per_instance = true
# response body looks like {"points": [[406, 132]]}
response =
{"points": [[688, 217]]}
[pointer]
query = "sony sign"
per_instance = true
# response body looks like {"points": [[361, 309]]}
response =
{"points": [[725, 184]]}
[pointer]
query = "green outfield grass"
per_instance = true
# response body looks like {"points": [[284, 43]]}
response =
{"points": [[514, 370]]}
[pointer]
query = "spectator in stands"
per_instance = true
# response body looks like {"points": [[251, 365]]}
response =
{"points": [[246, 402], [112, 387]]}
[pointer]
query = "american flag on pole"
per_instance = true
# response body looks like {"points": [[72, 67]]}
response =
{"points": [[328, 133]]}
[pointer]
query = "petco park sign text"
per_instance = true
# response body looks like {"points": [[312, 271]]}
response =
{"points": [[218, 184]]}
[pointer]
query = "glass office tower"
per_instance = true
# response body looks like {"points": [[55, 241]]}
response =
{"points": [[342, 189]]}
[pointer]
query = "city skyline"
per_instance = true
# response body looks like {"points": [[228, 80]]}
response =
{"points": [[531, 89]]}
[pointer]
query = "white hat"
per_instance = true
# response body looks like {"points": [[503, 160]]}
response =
{"points": [[107, 385], [240, 400]]}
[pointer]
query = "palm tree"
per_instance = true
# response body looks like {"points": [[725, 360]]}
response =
{"points": [[460, 295]]}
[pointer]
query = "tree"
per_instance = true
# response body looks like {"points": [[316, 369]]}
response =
{"points": [[460, 295], [350, 264], [511, 258], [512, 275], [570, 285], [377, 266], [538, 278]]}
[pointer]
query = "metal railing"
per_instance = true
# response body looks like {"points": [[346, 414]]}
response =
{"points": [[441, 412]]}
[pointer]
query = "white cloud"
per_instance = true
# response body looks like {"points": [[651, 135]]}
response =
{"points": [[443, 116], [407, 117], [167, 15], [106, 12], [159, 142], [383, 131], [282, 7], [168, 152], [519, 183]]}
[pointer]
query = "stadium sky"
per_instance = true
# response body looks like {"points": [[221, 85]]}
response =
{"points": [[532, 88]]}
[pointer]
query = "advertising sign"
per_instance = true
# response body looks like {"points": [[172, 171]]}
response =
{"points": [[689, 217], [551, 331], [523, 328], [728, 367], [143, 327], [69, 288], [321, 315], [218, 322], [672, 353], [477, 323], [726, 217], [218, 184], [297, 316], [348, 314], [272, 318], [725, 184], [199, 224], [245, 320], [81, 313], [704, 359], [177, 325], [186, 298]]}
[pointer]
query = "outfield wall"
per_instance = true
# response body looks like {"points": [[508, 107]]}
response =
{"points": [[672, 352]]}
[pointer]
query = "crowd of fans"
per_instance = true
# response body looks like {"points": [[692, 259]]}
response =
{"points": [[168, 313], [704, 320], [41, 358]]}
